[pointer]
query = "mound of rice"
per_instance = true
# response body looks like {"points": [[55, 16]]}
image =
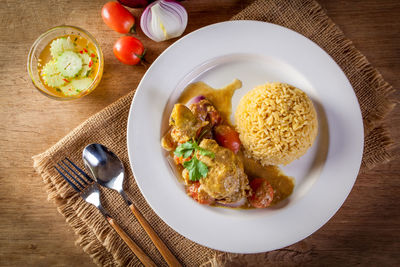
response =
{"points": [[277, 123]]}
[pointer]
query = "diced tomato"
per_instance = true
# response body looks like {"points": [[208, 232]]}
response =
{"points": [[227, 137], [181, 160], [199, 196], [214, 116], [193, 189], [263, 193]]}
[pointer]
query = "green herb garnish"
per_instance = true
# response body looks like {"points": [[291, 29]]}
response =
{"points": [[185, 150], [88, 73], [197, 169]]}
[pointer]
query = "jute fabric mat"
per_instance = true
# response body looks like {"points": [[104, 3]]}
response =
{"points": [[108, 127]]}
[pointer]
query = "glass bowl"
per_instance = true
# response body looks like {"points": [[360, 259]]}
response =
{"points": [[42, 41]]}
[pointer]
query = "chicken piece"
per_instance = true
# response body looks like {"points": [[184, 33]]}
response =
{"points": [[184, 124], [226, 181], [167, 142]]}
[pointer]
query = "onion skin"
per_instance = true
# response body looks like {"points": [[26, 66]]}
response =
{"points": [[163, 20]]}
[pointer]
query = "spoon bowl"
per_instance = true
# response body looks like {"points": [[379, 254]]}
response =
{"points": [[104, 166]]}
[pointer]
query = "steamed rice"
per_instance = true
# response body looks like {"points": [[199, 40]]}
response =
{"points": [[277, 123]]}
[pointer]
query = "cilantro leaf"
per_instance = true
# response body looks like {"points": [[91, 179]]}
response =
{"points": [[188, 145], [185, 149], [187, 154], [197, 169], [205, 152], [203, 169], [189, 164], [194, 175]]}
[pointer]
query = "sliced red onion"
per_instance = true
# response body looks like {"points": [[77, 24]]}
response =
{"points": [[195, 100], [163, 20], [237, 204]]}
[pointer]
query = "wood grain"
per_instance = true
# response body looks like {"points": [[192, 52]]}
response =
{"points": [[365, 231]]}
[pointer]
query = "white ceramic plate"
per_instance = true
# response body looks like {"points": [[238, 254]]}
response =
{"points": [[255, 53]]}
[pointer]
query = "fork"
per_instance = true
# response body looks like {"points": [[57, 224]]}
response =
{"points": [[88, 189]]}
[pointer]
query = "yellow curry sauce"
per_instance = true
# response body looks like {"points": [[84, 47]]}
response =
{"points": [[221, 98], [81, 44], [283, 185]]}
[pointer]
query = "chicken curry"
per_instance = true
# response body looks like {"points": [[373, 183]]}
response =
{"points": [[206, 150]]}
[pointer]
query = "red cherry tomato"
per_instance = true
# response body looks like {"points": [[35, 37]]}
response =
{"points": [[118, 17], [227, 137], [129, 50], [263, 193], [199, 196]]}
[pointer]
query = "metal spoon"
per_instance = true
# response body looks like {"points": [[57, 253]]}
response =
{"points": [[109, 172]]}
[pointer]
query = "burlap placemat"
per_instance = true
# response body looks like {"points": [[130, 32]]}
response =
{"points": [[108, 127]]}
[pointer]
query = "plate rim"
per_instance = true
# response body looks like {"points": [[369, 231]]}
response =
{"points": [[130, 138]]}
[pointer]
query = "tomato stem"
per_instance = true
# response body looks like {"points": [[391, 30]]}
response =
{"points": [[133, 29], [141, 57]]}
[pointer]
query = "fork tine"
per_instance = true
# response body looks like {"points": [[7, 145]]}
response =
{"points": [[74, 172], [69, 174], [66, 179], [81, 171]]}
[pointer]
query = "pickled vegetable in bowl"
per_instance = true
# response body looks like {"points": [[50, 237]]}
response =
{"points": [[69, 65], [65, 63]]}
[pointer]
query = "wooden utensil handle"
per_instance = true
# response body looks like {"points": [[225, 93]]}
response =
{"points": [[132, 245], [165, 252]]}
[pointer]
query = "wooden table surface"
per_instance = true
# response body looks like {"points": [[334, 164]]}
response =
{"points": [[365, 230]]}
